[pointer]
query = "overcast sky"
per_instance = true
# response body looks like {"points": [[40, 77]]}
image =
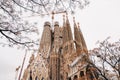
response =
{"points": [[97, 21]]}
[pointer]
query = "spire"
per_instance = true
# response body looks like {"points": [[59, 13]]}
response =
{"points": [[68, 28], [52, 17], [68, 43], [77, 38], [45, 43], [65, 31], [82, 39]]}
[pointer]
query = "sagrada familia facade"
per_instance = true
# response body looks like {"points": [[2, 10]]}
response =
{"points": [[61, 56]]}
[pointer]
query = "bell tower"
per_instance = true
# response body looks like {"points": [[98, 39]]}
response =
{"points": [[55, 54]]}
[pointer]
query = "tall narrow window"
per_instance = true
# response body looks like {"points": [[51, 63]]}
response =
{"points": [[42, 78], [61, 77], [30, 78], [36, 78]]}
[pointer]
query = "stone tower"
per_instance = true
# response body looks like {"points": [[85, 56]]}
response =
{"points": [[46, 40], [61, 56]]}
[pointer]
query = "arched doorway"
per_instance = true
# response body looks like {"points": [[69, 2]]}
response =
{"points": [[81, 73], [75, 77]]}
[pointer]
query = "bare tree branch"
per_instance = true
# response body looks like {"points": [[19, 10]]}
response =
{"points": [[109, 54]]}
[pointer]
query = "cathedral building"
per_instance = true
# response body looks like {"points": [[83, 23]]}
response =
{"points": [[61, 55]]}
